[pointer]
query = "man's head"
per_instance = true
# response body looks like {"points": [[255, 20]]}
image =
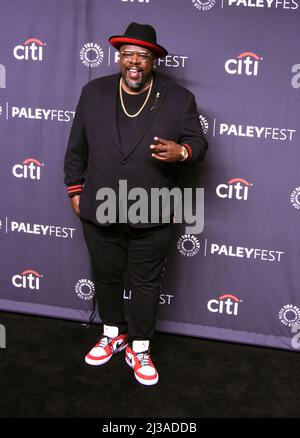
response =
{"points": [[138, 49], [136, 65]]}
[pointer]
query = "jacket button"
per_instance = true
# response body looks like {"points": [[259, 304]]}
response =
{"points": [[123, 161]]}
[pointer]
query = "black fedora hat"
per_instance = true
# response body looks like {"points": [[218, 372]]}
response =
{"points": [[142, 35]]}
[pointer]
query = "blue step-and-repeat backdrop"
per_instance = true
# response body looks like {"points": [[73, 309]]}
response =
{"points": [[239, 280]]}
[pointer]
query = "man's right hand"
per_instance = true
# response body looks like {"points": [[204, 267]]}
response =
{"points": [[75, 204]]}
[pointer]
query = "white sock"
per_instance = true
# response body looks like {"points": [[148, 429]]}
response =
{"points": [[140, 346], [110, 331]]}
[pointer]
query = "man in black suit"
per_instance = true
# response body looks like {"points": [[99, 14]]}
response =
{"points": [[139, 128]]}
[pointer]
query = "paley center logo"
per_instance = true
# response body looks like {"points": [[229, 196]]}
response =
{"points": [[2, 76], [91, 55], [235, 188], [245, 63], [228, 304], [85, 289], [295, 198], [204, 123], [31, 49], [188, 245], [28, 279], [29, 169], [203, 5], [296, 77], [289, 315], [285, 4]]}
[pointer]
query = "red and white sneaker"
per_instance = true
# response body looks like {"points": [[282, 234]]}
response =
{"points": [[143, 367], [107, 346]]}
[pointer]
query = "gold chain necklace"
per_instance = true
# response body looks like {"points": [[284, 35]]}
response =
{"points": [[142, 107]]}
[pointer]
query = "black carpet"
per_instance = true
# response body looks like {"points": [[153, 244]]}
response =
{"points": [[43, 374]]}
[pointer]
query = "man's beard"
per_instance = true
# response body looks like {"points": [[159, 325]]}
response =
{"points": [[134, 85]]}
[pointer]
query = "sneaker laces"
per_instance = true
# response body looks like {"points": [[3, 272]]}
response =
{"points": [[104, 341], [144, 358]]}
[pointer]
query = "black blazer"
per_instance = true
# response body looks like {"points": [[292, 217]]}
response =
{"points": [[94, 158]]}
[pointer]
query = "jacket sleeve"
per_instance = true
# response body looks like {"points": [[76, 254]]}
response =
{"points": [[192, 136], [75, 161]]}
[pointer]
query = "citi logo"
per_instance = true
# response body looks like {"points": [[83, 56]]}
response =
{"points": [[28, 279], [31, 49], [2, 76], [236, 188], [228, 304], [29, 169], [246, 63]]}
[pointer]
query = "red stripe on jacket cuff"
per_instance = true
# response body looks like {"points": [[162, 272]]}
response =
{"points": [[75, 190], [77, 186]]}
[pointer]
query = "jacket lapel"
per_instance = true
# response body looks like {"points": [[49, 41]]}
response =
{"points": [[110, 109]]}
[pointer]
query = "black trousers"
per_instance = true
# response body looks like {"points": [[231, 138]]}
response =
{"points": [[141, 253]]}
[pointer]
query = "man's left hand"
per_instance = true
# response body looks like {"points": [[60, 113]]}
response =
{"points": [[166, 150]]}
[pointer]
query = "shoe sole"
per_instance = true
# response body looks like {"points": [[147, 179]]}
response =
{"points": [[139, 379], [97, 362]]}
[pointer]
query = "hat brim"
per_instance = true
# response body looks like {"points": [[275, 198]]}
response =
{"points": [[157, 50]]}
